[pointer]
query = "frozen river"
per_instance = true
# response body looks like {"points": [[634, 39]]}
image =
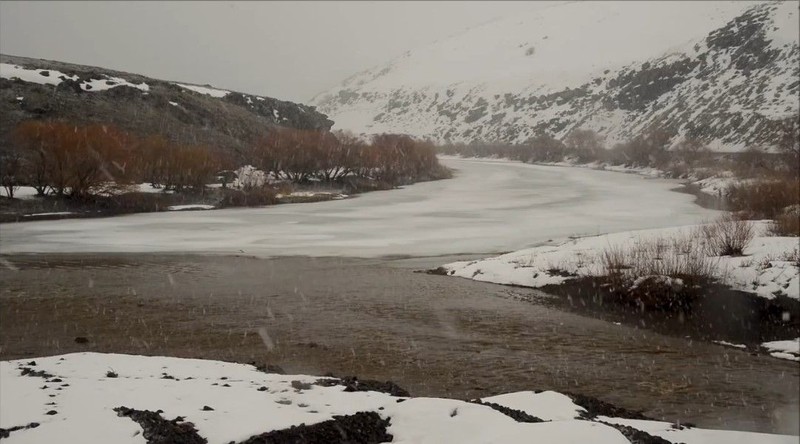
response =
{"points": [[489, 206]]}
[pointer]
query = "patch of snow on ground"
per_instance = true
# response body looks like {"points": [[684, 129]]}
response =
{"points": [[111, 82], [57, 213], [789, 349], [190, 207], [82, 389], [549, 405], [53, 77], [730, 344], [149, 188], [24, 193], [213, 92]]}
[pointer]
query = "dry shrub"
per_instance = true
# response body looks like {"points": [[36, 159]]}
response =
{"points": [[677, 256], [727, 236], [284, 188], [659, 273], [254, 197], [787, 224], [792, 256], [765, 198], [615, 262]]}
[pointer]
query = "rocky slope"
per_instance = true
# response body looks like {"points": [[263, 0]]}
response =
{"points": [[726, 73], [32, 88]]}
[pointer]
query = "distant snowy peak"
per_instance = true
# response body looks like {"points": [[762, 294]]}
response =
{"points": [[724, 72]]}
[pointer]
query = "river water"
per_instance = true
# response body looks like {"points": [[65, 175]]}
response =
{"points": [[366, 312], [434, 335]]}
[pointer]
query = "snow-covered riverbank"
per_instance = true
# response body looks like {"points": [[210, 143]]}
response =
{"points": [[72, 398], [765, 269]]}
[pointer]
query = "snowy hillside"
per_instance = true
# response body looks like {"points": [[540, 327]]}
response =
{"points": [[227, 120], [110, 398], [724, 72]]}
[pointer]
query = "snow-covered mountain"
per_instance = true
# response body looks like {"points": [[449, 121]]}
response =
{"points": [[726, 73]]}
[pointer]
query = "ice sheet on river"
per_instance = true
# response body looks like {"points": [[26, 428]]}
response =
{"points": [[489, 207]]}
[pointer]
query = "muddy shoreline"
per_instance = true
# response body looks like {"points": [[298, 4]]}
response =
{"points": [[718, 314], [379, 320]]}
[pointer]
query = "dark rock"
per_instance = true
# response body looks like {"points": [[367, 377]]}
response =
{"points": [[360, 428], [439, 271], [5, 433], [298, 385], [69, 85], [353, 384], [81, 340], [269, 368], [51, 412], [26, 371], [516, 415], [595, 407], [207, 409], [636, 436], [157, 430]]}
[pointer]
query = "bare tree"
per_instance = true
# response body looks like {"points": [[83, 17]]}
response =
{"points": [[11, 172], [585, 145]]}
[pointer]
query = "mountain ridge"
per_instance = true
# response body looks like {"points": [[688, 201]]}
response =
{"points": [[733, 65]]}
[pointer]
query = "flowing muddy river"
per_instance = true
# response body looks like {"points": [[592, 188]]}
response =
{"points": [[102, 280], [378, 319]]}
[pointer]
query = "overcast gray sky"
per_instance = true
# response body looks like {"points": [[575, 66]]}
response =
{"points": [[288, 50]]}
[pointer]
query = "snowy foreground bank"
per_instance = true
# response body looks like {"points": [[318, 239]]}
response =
{"points": [[100, 398]]}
